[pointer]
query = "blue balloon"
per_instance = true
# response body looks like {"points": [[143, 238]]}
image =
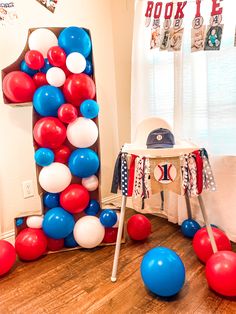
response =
{"points": [[75, 39], [46, 66], [163, 271], [51, 200], [83, 162], [44, 157], [24, 68], [189, 227], [89, 68], [58, 223], [89, 109], [47, 100], [19, 222], [108, 218], [69, 241], [93, 208]]}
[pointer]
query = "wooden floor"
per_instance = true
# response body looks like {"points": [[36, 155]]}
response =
{"points": [[79, 281]]}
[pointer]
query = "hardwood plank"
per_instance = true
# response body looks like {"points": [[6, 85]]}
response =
{"points": [[79, 281]]}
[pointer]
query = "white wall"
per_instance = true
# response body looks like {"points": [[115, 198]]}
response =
{"points": [[16, 157], [122, 18]]}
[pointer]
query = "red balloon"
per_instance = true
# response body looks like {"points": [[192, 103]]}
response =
{"points": [[31, 244], [202, 244], [40, 79], [18, 87], [110, 235], [56, 56], [67, 113], [55, 244], [49, 132], [139, 227], [79, 87], [7, 256], [62, 154], [34, 59], [74, 199], [221, 273]]}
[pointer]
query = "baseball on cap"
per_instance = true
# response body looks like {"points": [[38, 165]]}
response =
{"points": [[160, 138]]}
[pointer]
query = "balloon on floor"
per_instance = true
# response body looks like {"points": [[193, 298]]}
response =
{"points": [[202, 245], [221, 273], [7, 257], [189, 227], [163, 272], [139, 227]]}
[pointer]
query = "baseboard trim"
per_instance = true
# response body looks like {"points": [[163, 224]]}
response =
{"points": [[111, 199], [8, 236]]}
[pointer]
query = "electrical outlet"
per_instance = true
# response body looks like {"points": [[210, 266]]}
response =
{"points": [[28, 189]]}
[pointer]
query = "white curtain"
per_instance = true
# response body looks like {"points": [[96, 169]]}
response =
{"points": [[196, 94]]}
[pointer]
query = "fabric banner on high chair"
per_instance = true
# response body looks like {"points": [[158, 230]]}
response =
{"points": [[165, 175]]}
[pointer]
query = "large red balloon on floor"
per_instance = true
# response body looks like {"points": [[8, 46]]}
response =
{"points": [[110, 235], [7, 256], [49, 132], [79, 87], [221, 273], [75, 198], [55, 244], [202, 244], [139, 227], [31, 244], [18, 87]]}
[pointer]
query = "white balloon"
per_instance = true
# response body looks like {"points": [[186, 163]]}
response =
{"points": [[34, 222], [42, 39], [117, 222], [76, 62], [55, 177], [82, 132], [88, 232], [55, 76], [90, 183]]}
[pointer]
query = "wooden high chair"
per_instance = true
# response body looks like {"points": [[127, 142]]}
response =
{"points": [[138, 147]]}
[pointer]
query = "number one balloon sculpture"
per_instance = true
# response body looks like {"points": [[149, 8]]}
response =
{"points": [[55, 72]]}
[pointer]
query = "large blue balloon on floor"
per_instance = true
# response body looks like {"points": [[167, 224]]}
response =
{"points": [[58, 223], [189, 227], [47, 99], [83, 162], [44, 156], [75, 39], [163, 271], [24, 68], [51, 200], [69, 241]]}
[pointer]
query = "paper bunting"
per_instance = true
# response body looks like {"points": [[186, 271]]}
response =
{"points": [[8, 13], [49, 4]]}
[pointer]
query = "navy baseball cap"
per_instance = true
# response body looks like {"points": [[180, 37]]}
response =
{"points": [[160, 138]]}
